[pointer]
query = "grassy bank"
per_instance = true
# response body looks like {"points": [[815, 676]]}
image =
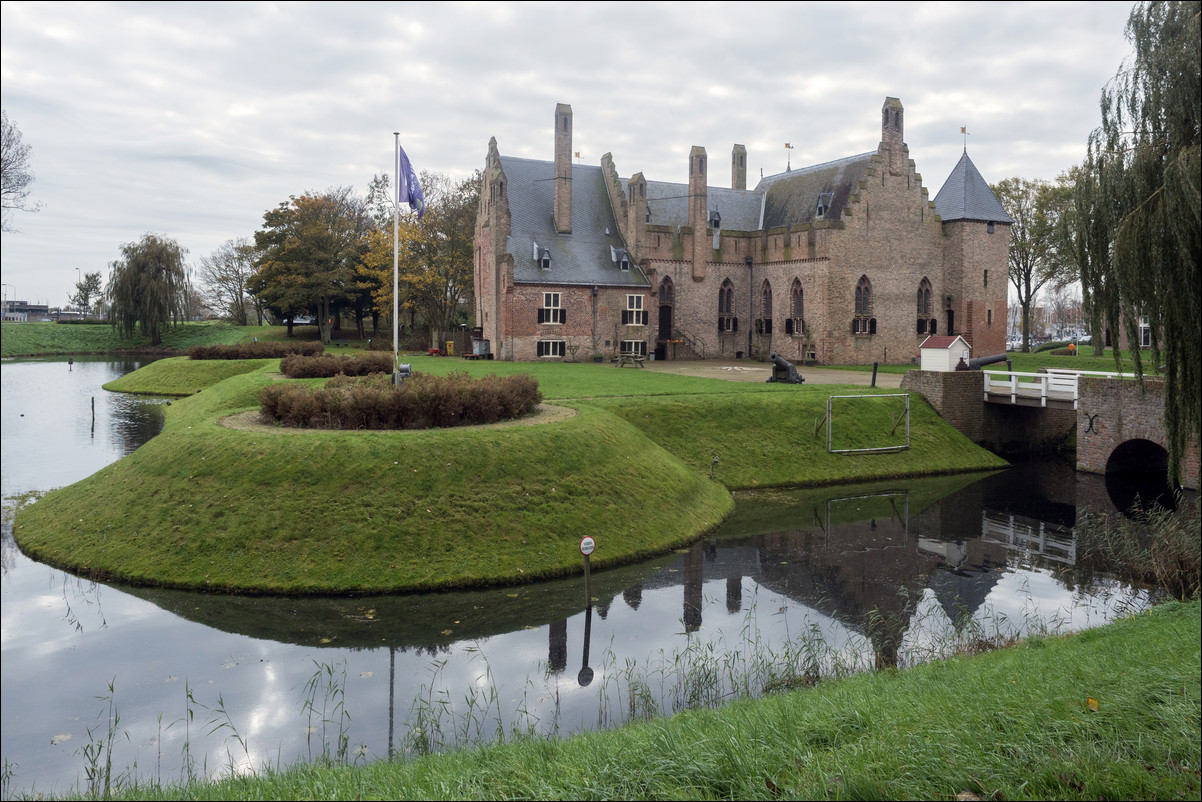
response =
{"points": [[1087, 716], [54, 339], [276, 510]]}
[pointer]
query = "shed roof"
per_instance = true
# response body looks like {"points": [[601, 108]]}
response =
{"points": [[942, 341]]}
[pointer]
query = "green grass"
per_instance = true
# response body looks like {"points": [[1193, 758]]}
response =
{"points": [[49, 339], [182, 376], [300, 511], [1018, 723]]}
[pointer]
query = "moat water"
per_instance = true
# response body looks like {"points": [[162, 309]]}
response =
{"points": [[796, 583]]}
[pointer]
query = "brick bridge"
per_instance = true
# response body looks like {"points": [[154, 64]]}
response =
{"points": [[1119, 426]]}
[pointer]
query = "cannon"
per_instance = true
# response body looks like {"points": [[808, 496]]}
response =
{"points": [[784, 371], [979, 362]]}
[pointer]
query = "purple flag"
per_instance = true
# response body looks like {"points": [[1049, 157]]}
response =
{"points": [[409, 190]]}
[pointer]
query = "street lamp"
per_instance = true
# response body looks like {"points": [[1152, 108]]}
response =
{"points": [[8, 287]]}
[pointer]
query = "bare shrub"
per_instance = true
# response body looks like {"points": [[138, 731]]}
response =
{"points": [[422, 402]]}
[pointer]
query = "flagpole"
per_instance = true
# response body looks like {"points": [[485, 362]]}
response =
{"points": [[396, 217]]}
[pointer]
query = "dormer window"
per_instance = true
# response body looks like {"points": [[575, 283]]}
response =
{"points": [[542, 256], [824, 204], [621, 257]]}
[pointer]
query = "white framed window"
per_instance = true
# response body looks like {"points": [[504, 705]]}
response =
{"points": [[1145, 332], [633, 347], [551, 311], [634, 314], [552, 348]]}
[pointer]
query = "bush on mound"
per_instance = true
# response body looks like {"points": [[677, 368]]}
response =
{"points": [[255, 350], [298, 366], [424, 401]]}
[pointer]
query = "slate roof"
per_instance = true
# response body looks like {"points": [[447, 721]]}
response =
{"points": [[583, 257], [791, 198], [967, 196]]}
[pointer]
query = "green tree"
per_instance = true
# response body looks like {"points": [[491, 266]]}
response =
{"points": [[88, 290], [147, 287], [1144, 161], [310, 249], [226, 274], [1036, 257], [435, 259]]}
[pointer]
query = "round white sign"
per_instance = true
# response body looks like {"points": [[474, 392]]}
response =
{"points": [[587, 544]]}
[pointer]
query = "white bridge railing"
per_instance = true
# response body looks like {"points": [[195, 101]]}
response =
{"points": [[1056, 384]]}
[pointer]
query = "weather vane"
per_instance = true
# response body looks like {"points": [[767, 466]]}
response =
{"points": [[964, 131]]}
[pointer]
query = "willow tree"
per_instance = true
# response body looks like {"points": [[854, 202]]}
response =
{"points": [[1146, 162], [147, 287]]}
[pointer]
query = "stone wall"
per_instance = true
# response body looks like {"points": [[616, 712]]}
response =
{"points": [[1115, 411]]}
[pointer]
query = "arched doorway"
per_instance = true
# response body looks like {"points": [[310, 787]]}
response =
{"points": [[667, 302]]}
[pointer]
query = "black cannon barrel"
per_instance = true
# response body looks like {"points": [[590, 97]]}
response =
{"points": [[784, 371], [978, 362]]}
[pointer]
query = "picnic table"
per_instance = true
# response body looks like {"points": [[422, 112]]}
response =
{"points": [[629, 359]]}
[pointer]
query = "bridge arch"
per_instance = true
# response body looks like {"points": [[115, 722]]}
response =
{"points": [[1120, 427], [1137, 475]]}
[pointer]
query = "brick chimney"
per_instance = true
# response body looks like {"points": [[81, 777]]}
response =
{"points": [[738, 167], [699, 210], [563, 168]]}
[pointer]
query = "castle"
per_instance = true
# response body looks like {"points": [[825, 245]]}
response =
{"points": [[847, 262]]}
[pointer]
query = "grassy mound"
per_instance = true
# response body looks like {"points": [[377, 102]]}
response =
{"points": [[275, 510], [183, 376], [286, 511]]}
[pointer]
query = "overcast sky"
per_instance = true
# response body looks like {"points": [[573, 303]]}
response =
{"points": [[190, 120]]}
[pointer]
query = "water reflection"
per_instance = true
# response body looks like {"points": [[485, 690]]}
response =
{"points": [[798, 584]]}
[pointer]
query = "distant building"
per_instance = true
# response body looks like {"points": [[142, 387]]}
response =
{"points": [[847, 262]]}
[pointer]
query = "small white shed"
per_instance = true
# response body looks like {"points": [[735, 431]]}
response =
{"points": [[943, 352]]}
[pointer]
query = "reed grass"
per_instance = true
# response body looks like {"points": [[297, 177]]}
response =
{"points": [[1082, 716]]}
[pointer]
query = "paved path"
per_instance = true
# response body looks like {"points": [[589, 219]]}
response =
{"points": [[750, 371]]}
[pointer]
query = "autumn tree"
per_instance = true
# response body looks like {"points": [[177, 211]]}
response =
{"points": [[435, 254], [1144, 165], [16, 173], [147, 287], [309, 251], [226, 274], [88, 290], [1036, 257]]}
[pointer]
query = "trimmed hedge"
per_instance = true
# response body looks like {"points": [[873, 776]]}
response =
{"points": [[255, 350], [297, 366], [424, 401]]}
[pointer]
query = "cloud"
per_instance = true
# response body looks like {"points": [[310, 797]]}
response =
{"points": [[194, 119]]}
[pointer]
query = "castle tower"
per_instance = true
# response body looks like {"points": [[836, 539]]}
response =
{"points": [[563, 168], [699, 211], [738, 167], [893, 145]]}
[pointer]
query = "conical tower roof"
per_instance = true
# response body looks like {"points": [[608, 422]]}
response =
{"points": [[966, 196]]}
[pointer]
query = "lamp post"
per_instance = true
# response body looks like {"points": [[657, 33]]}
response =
{"points": [[8, 287]]}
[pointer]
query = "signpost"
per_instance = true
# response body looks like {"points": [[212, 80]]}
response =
{"points": [[587, 547]]}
